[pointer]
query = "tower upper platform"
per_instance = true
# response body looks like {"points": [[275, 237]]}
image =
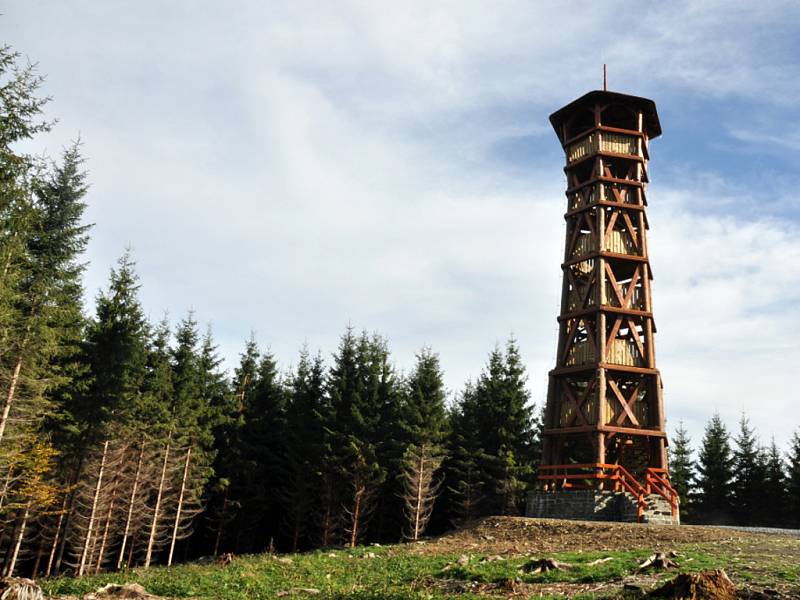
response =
{"points": [[617, 110]]}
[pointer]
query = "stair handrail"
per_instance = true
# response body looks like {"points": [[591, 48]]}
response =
{"points": [[634, 487], [657, 479]]}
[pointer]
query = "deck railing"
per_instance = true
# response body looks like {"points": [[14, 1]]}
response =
{"points": [[586, 477], [611, 142]]}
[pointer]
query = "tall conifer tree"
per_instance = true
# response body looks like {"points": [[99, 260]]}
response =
{"points": [[774, 495], [422, 421], [232, 468], [715, 474], [748, 475], [793, 480], [465, 486], [682, 469], [264, 437], [304, 449], [505, 427]]}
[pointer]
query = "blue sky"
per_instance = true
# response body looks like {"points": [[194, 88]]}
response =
{"points": [[289, 168]]}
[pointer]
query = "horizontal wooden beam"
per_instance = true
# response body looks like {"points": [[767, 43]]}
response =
{"points": [[603, 308], [605, 429], [624, 205], [602, 365], [604, 179], [606, 153], [591, 130], [604, 254]]}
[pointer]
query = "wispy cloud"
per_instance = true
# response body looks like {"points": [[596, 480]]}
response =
{"points": [[293, 167]]}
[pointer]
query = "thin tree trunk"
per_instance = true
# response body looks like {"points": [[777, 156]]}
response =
{"points": [[356, 517], [56, 538], [130, 553], [67, 517], [12, 386], [6, 483], [39, 554], [9, 550], [418, 504], [295, 536], [12, 565], [105, 531], [85, 551], [154, 525], [130, 507], [221, 523], [180, 506]]}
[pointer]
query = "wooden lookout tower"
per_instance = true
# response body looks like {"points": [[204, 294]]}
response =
{"points": [[604, 434]]}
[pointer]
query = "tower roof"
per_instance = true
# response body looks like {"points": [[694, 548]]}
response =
{"points": [[647, 106]]}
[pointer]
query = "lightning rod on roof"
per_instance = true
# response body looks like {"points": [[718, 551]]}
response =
{"points": [[605, 77]]}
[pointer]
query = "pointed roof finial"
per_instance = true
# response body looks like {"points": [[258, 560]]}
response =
{"points": [[605, 77]]}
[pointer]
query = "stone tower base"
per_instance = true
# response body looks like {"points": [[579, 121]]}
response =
{"points": [[592, 505]]}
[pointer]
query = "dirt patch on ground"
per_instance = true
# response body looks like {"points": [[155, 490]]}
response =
{"points": [[629, 587], [761, 565], [521, 535]]}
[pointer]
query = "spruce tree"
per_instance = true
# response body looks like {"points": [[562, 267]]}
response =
{"points": [[423, 428], [232, 466], [715, 474], [41, 346], [681, 469], [304, 449], [263, 450], [360, 382], [60, 200], [748, 475], [196, 382], [465, 487], [774, 497], [117, 354], [793, 481], [505, 428], [152, 412]]}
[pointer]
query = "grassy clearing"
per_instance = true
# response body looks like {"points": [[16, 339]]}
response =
{"points": [[364, 573], [469, 567]]}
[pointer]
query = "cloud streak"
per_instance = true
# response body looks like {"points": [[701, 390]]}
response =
{"points": [[291, 168]]}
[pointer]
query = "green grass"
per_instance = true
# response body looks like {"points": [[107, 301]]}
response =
{"points": [[336, 573], [395, 573]]}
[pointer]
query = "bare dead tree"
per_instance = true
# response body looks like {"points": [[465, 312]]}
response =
{"points": [[162, 483], [93, 510], [95, 505], [420, 487], [179, 509], [12, 563], [57, 533], [132, 500]]}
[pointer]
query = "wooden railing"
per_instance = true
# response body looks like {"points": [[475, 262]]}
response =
{"points": [[657, 480], [585, 477], [611, 142]]}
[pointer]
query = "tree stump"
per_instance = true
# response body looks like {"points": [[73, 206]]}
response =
{"points": [[705, 585]]}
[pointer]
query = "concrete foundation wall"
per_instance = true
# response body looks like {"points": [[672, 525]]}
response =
{"points": [[591, 505]]}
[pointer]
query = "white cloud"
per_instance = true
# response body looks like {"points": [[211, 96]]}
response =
{"points": [[294, 167]]}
